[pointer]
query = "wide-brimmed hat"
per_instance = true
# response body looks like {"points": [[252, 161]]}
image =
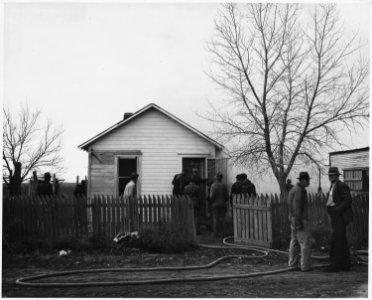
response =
{"points": [[333, 171], [134, 176], [304, 175]]}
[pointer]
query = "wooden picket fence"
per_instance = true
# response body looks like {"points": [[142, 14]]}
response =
{"points": [[56, 216], [252, 220], [112, 215], [44, 216], [263, 220]]}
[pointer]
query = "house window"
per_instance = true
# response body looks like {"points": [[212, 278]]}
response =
{"points": [[357, 179], [126, 166]]}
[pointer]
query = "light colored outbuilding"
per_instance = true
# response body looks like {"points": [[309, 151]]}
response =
{"points": [[354, 165], [156, 145]]}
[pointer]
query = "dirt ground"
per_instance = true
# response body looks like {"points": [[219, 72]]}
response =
{"points": [[284, 285]]}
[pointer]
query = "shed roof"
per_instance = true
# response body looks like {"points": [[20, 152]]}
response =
{"points": [[350, 151], [84, 146]]}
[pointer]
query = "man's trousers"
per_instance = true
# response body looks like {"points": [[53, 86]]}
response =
{"points": [[300, 243], [339, 249]]}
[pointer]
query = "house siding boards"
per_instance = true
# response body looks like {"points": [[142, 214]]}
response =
{"points": [[350, 160], [354, 166], [158, 140]]}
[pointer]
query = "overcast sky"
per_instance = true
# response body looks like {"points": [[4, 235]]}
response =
{"points": [[85, 65]]}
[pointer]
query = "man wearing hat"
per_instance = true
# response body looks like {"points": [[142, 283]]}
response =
{"points": [[298, 216], [339, 209]]}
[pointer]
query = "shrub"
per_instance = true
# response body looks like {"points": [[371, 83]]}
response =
{"points": [[28, 245], [72, 243], [100, 242], [163, 238]]}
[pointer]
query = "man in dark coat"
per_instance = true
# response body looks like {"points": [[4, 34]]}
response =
{"points": [[197, 179], [339, 209], [45, 187], [247, 186], [193, 191], [179, 182], [288, 185], [236, 188], [81, 189]]}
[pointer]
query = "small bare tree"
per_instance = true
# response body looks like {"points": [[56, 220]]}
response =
{"points": [[294, 87], [26, 146]]}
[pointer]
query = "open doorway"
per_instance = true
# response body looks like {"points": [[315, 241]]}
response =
{"points": [[126, 166]]}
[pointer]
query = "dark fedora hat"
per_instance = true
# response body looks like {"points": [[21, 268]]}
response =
{"points": [[134, 176], [304, 175], [333, 171]]}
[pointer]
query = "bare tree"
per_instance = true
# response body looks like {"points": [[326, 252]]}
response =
{"points": [[294, 87], [27, 145]]}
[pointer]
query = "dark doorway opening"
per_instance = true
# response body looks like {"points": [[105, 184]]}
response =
{"points": [[126, 166]]}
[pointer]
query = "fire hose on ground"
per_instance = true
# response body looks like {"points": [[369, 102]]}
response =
{"points": [[262, 252]]}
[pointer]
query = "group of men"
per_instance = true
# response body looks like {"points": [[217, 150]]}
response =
{"points": [[242, 185], [339, 209], [218, 195]]}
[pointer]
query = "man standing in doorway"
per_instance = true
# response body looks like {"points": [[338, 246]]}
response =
{"points": [[339, 209], [130, 193], [219, 197], [298, 216], [179, 182], [130, 190]]}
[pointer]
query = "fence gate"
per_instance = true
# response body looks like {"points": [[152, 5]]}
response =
{"points": [[252, 220]]}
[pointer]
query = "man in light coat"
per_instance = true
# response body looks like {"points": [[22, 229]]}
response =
{"points": [[339, 209], [130, 193], [130, 190], [298, 216]]}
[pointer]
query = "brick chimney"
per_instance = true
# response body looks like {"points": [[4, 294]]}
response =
{"points": [[127, 115]]}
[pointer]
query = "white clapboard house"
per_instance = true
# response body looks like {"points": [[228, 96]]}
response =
{"points": [[156, 145], [354, 166]]}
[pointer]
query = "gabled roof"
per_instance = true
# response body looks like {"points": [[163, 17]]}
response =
{"points": [[85, 145]]}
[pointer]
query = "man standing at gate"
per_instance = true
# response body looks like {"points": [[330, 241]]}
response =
{"points": [[298, 217], [339, 209]]}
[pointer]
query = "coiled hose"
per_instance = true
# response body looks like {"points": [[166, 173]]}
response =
{"points": [[262, 252]]}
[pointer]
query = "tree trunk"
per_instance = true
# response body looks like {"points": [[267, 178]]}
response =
{"points": [[282, 186], [16, 179]]}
